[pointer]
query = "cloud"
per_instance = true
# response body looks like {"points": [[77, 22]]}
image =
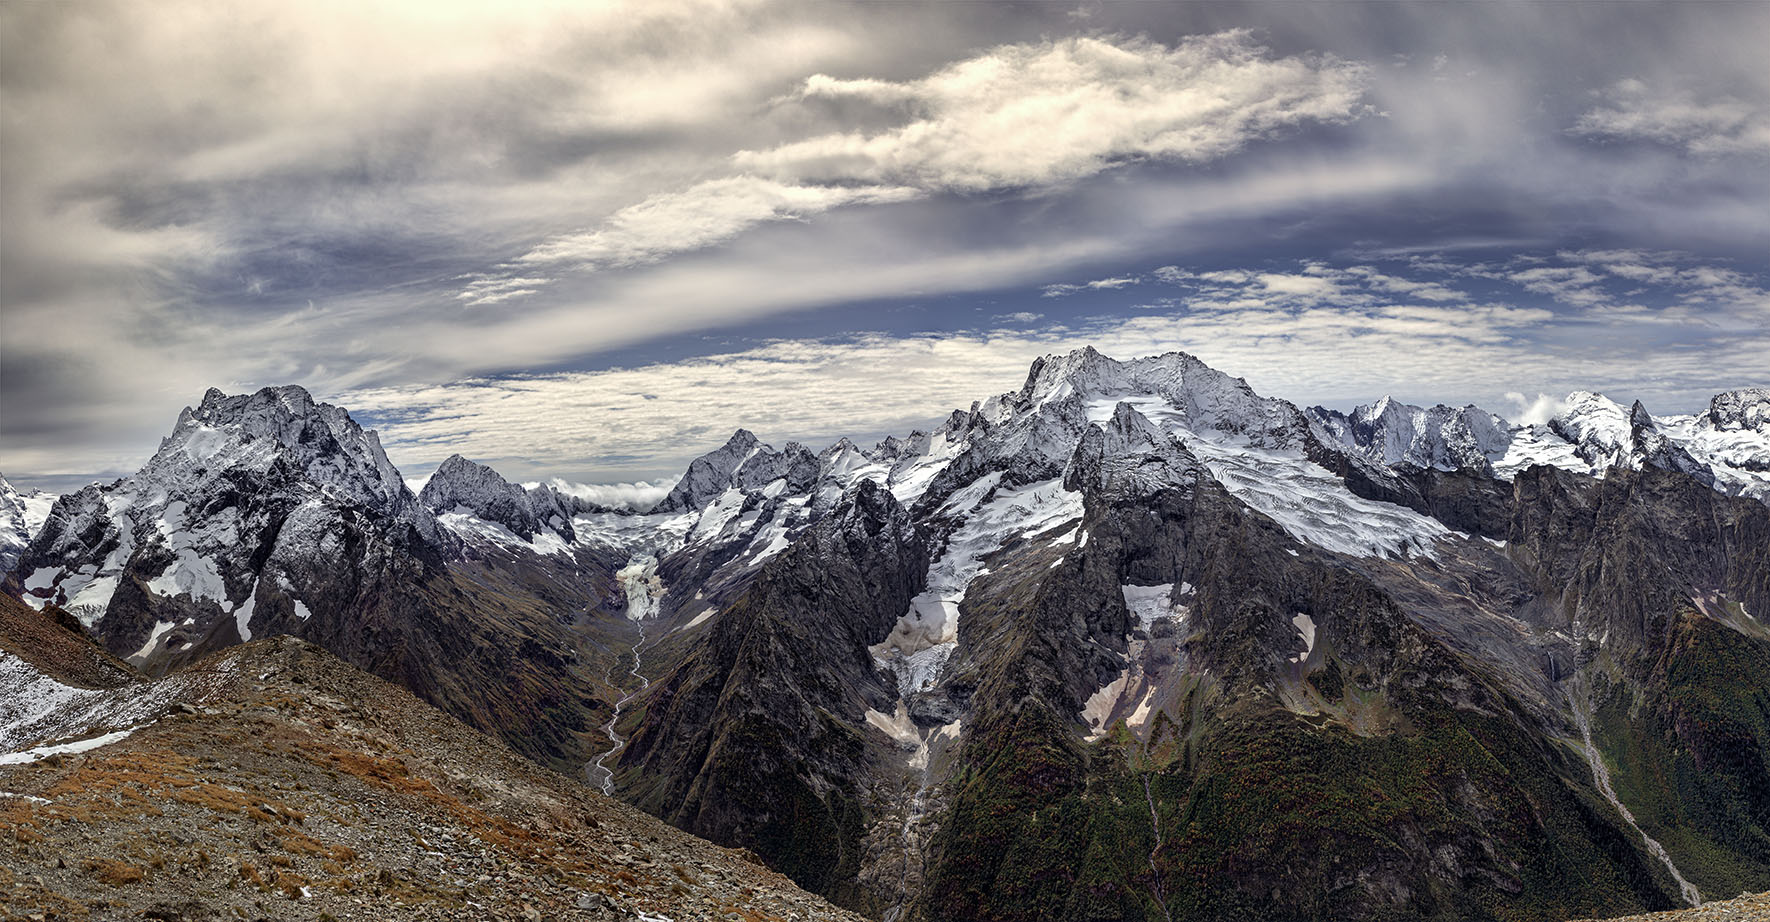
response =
{"points": [[700, 216], [1535, 411], [1714, 126], [1064, 289], [1019, 317], [1015, 117], [1030, 115], [1120, 282], [638, 495]]}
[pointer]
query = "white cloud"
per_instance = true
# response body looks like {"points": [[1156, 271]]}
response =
{"points": [[1716, 125], [639, 495], [1015, 117], [1109, 284], [702, 215], [1064, 289], [1534, 411], [1019, 317], [1036, 114]]}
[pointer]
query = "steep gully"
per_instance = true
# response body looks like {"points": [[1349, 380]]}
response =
{"points": [[1601, 775], [1156, 888]]}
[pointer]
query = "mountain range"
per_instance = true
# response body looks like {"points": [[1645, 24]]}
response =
{"points": [[1129, 642]]}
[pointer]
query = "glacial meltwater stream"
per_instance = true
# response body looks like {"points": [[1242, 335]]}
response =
{"points": [[639, 579], [1601, 775]]}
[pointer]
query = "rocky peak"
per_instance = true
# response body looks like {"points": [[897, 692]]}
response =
{"points": [[254, 431], [1639, 418], [1596, 425], [459, 483], [1205, 399], [764, 466], [711, 474], [1129, 457], [1746, 408], [743, 462], [869, 511], [15, 532], [1393, 433]]}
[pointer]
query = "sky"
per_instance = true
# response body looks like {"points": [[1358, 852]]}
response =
{"points": [[588, 240]]}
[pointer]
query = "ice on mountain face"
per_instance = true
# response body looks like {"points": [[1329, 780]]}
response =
{"points": [[1539, 445], [658, 534], [919, 671], [462, 522], [1315, 507], [243, 618], [991, 521], [721, 513], [911, 477], [742, 463], [644, 589], [59, 749], [1738, 457], [1097, 710], [193, 571], [192, 518], [699, 619], [1305, 626], [1592, 434], [1746, 408], [461, 487], [1308, 501], [1187, 393], [1597, 427], [1149, 604], [153, 641], [777, 535]]}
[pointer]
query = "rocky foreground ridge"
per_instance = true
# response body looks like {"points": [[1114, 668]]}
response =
{"points": [[272, 781]]}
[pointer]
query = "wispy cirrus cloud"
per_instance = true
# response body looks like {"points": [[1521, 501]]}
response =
{"points": [[1064, 289], [1709, 126], [1020, 117]]}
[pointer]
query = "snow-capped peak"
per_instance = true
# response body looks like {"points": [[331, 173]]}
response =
{"points": [[1393, 433], [21, 515], [1745, 408], [460, 484], [1596, 424], [1199, 397], [280, 423]]}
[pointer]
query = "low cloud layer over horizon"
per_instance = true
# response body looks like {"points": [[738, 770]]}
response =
{"points": [[587, 242]]}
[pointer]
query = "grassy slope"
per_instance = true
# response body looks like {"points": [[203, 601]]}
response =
{"points": [[1688, 754]]}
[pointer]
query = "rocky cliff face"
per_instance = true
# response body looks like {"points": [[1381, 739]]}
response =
{"points": [[477, 490], [1441, 437], [759, 740]]}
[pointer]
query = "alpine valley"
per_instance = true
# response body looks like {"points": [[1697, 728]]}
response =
{"points": [[1130, 642]]}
